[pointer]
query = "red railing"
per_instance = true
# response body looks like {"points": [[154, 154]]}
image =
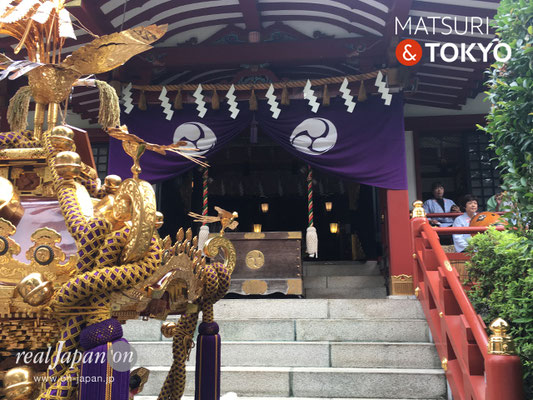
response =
{"points": [[458, 331]]}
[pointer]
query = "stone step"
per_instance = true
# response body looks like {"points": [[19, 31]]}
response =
{"points": [[319, 382], [231, 396], [361, 330], [342, 282], [317, 308], [340, 268], [298, 354], [285, 312], [347, 293]]}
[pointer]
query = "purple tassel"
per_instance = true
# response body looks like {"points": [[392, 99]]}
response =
{"points": [[94, 369], [207, 362]]}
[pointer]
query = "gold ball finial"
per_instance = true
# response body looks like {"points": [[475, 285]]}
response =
{"points": [[111, 183], [159, 219], [34, 290], [62, 138], [500, 342], [418, 210], [68, 164], [19, 383], [499, 326], [62, 130]]}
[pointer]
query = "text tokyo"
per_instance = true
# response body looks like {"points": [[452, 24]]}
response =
{"points": [[450, 52]]}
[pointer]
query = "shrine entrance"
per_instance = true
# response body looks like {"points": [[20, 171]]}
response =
{"points": [[267, 186]]}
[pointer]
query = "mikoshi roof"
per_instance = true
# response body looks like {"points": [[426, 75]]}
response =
{"points": [[247, 41]]}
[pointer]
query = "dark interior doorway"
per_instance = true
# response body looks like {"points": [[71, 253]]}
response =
{"points": [[253, 170]]}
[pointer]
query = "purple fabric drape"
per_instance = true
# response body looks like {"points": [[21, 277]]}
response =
{"points": [[366, 146], [208, 134]]}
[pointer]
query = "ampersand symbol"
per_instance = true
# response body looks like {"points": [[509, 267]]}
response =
{"points": [[408, 52], [407, 55]]}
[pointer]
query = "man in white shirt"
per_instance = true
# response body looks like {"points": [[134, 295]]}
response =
{"points": [[460, 241], [438, 204]]}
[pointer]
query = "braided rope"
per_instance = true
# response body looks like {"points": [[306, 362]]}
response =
{"points": [[85, 298], [205, 177], [182, 343], [63, 387], [264, 86], [62, 380], [217, 281], [19, 140], [309, 196], [107, 279]]}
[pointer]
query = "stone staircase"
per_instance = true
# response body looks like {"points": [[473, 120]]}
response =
{"points": [[373, 348], [343, 280]]}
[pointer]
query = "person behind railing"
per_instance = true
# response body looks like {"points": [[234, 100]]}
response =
{"points": [[438, 204], [497, 203], [470, 204]]}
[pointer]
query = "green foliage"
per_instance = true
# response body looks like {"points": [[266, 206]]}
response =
{"points": [[510, 122], [501, 271]]}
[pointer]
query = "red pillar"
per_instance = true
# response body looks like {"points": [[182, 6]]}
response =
{"points": [[400, 248]]}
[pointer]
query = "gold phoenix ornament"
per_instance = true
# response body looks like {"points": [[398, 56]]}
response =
{"points": [[134, 146], [227, 219]]}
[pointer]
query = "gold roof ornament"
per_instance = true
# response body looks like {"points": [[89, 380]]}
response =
{"points": [[41, 26]]}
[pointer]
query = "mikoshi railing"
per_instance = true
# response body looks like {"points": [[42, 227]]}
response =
{"points": [[477, 367]]}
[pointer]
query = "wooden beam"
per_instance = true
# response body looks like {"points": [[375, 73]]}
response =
{"points": [[400, 9], [439, 80], [438, 97], [451, 72], [444, 122], [433, 104], [280, 53], [447, 9], [424, 87], [298, 10], [252, 18], [92, 17]]}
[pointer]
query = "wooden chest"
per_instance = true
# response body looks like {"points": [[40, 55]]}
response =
{"points": [[267, 262]]}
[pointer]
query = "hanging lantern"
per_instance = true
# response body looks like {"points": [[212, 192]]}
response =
{"points": [[254, 37], [257, 228], [334, 227], [329, 205], [264, 207]]}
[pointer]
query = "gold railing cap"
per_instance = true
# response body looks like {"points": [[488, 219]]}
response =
{"points": [[418, 210], [500, 343]]}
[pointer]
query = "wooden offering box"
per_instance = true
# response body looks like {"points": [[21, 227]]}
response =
{"points": [[267, 262]]}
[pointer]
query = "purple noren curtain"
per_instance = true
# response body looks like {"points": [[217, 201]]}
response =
{"points": [[366, 146]]}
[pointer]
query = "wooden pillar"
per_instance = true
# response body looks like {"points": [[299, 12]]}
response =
{"points": [[399, 238]]}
